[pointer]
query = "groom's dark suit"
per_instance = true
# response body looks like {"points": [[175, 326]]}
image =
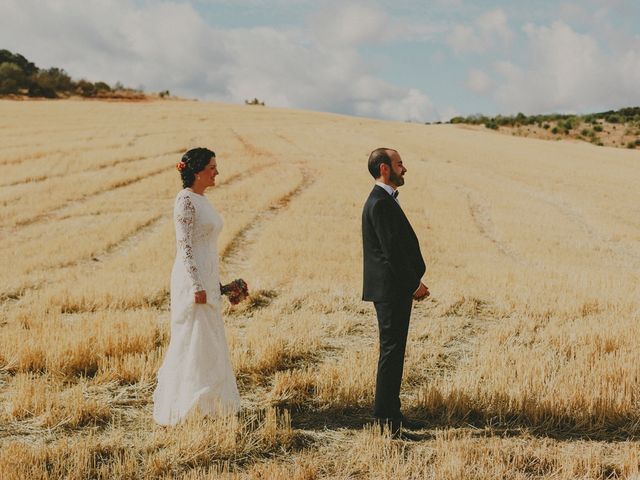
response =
{"points": [[393, 268]]}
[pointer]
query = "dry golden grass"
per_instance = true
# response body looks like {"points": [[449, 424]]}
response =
{"points": [[524, 362]]}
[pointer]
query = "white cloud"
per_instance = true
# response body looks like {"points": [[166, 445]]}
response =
{"points": [[447, 113], [568, 71], [315, 77], [489, 30], [169, 46], [494, 25], [463, 38], [394, 102], [574, 12], [478, 81], [450, 3], [160, 46], [350, 24]]}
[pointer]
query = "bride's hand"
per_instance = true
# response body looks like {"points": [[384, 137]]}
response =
{"points": [[201, 296]]}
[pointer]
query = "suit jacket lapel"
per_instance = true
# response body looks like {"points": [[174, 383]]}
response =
{"points": [[382, 191]]}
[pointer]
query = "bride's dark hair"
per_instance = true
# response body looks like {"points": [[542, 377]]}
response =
{"points": [[193, 162]]}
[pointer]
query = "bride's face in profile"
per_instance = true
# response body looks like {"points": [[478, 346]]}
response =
{"points": [[209, 173]]}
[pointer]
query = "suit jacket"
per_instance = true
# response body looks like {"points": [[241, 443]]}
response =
{"points": [[393, 264]]}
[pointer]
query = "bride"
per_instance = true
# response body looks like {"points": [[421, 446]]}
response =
{"points": [[196, 372]]}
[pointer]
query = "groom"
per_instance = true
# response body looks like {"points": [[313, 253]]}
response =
{"points": [[393, 268]]}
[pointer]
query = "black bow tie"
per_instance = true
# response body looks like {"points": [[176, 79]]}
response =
{"points": [[396, 193]]}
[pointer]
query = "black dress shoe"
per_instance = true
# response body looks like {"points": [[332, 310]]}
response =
{"points": [[397, 428], [406, 436], [392, 425], [410, 424]]}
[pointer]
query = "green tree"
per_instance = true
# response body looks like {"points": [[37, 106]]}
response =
{"points": [[58, 79], [47, 83], [12, 78], [102, 87], [86, 88], [27, 67]]}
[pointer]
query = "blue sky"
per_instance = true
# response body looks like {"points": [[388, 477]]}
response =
{"points": [[402, 60]]}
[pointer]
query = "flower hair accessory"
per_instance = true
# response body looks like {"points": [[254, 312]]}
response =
{"points": [[236, 291], [181, 166]]}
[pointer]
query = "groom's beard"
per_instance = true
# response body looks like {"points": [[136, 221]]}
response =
{"points": [[396, 179]]}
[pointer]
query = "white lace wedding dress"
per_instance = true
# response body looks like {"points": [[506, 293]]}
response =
{"points": [[196, 372]]}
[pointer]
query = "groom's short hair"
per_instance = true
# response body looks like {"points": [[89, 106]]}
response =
{"points": [[377, 158]]}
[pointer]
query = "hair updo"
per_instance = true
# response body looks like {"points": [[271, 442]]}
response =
{"points": [[193, 162]]}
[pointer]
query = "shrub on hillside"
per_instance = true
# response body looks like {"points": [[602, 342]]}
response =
{"points": [[86, 88], [46, 83], [36, 90], [55, 78], [255, 101], [568, 124], [19, 76], [629, 113], [27, 67], [522, 119], [102, 87], [12, 78], [477, 119]]}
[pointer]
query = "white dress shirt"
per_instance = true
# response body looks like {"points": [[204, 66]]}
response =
{"points": [[389, 189]]}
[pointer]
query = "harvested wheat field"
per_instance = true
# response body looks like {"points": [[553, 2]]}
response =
{"points": [[525, 362]]}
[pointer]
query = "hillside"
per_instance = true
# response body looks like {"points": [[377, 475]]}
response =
{"points": [[613, 128], [524, 362], [21, 78]]}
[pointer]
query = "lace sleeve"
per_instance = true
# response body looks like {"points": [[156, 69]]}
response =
{"points": [[185, 218]]}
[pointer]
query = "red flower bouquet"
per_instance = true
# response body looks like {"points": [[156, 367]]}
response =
{"points": [[236, 291]]}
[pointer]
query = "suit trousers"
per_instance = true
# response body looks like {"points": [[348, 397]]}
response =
{"points": [[393, 324]]}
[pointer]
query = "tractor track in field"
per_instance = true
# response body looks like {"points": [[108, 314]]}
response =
{"points": [[47, 215], [233, 253], [98, 168], [80, 146], [481, 217], [577, 217], [236, 253]]}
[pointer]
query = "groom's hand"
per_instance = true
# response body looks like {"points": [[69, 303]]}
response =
{"points": [[201, 296], [421, 293]]}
